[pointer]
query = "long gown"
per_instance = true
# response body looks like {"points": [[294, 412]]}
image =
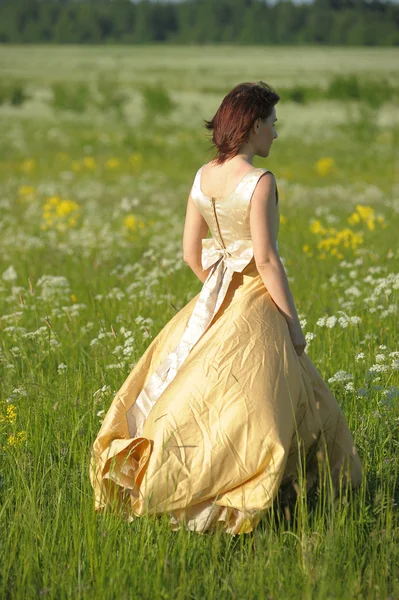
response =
{"points": [[219, 412]]}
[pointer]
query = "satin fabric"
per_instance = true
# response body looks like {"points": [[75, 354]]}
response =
{"points": [[219, 411]]}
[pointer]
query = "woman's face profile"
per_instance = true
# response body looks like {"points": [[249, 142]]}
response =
{"points": [[265, 133]]}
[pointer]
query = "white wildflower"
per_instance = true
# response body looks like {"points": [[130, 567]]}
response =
{"points": [[340, 377], [380, 358], [9, 274], [378, 368], [103, 391], [353, 291], [355, 320], [331, 321]]}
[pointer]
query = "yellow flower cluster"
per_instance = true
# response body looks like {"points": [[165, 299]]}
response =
{"points": [[334, 240], [317, 228], [26, 190], [88, 163], [366, 214], [132, 223], [59, 213], [16, 440], [112, 163], [8, 417], [347, 238], [325, 166]]}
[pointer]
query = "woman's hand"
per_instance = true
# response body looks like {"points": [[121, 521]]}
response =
{"points": [[297, 337]]}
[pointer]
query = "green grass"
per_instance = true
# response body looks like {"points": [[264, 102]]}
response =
{"points": [[69, 341]]}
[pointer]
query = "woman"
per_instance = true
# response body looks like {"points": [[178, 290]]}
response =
{"points": [[225, 408]]}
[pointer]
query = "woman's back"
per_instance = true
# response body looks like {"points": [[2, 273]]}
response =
{"points": [[227, 215]]}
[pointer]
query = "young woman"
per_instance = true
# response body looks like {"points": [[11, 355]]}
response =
{"points": [[225, 408]]}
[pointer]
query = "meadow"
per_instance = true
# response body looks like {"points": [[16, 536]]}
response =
{"points": [[98, 152]]}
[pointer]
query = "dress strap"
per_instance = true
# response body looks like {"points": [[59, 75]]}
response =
{"points": [[196, 188]]}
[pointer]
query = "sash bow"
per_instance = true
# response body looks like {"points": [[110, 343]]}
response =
{"points": [[236, 255]]}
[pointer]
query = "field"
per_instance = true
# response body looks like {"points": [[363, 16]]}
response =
{"points": [[99, 148]]}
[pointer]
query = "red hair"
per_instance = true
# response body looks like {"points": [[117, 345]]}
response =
{"points": [[237, 113]]}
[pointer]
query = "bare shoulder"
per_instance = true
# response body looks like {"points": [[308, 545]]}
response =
{"points": [[265, 188]]}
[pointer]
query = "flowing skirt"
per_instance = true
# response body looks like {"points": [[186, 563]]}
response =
{"points": [[241, 414]]}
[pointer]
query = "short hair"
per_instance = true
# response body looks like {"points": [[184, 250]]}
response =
{"points": [[238, 111]]}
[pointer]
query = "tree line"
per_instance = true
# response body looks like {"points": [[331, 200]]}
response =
{"points": [[332, 22]]}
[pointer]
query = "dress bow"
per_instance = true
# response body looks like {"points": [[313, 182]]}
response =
{"points": [[236, 255]]}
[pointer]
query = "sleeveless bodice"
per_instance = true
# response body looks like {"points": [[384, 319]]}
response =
{"points": [[229, 250], [228, 217]]}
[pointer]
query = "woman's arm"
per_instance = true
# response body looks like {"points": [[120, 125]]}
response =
{"points": [[263, 233], [195, 229]]}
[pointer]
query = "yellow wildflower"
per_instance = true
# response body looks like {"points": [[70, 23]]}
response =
{"points": [[26, 190], [112, 163], [354, 218], [317, 228], [365, 214], [65, 207], [132, 222], [28, 165], [89, 162], [61, 213], [324, 166], [15, 440], [53, 201], [10, 414]]}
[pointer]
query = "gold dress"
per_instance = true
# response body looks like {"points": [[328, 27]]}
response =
{"points": [[219, 411]]}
